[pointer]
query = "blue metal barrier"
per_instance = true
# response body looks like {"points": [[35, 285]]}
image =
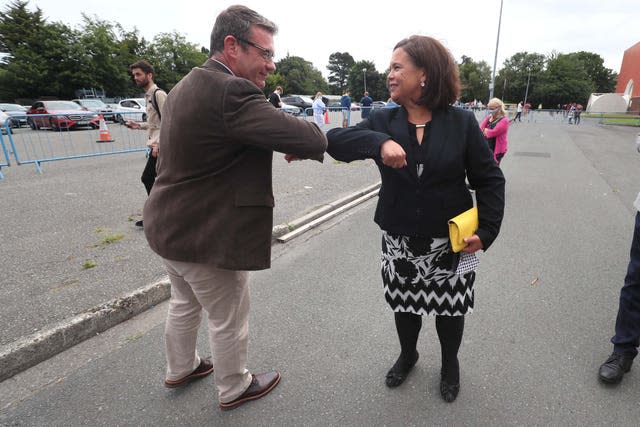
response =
{"points": [[335, 117], [4, 159], [45, 142]]}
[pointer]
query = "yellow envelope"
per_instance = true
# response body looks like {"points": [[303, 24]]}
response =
{"points": [[461, 226]]}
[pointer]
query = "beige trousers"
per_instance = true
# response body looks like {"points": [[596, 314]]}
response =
{"points": [[224, 297]]}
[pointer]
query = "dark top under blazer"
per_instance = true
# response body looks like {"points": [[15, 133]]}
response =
{"points": [[212, 201], [421, 206]]}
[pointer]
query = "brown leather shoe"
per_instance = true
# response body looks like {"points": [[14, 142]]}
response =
{"points": [[261, 385], [204, 368]]}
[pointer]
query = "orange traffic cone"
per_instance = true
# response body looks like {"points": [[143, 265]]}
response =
{"points": [[105, 135], [326, 117]]}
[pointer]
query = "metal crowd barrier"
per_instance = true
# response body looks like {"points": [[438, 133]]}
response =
{"points": [[335, 117], [4, 158], [48, 139]]}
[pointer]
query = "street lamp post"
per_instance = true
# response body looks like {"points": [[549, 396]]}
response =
{"points": [[526, 93], [495, 57], [364, 74]]}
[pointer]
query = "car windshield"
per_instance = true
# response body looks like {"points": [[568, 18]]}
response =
{"points": [[92, 103], [62, 105], [11, 107]]}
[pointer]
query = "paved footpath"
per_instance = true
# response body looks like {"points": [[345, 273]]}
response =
{"points": [[82, 212], [546, 300]]}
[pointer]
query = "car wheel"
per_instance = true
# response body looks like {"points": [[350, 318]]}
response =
{"points": [[119, 119], [32, 124], [53, 124], [144, 117]]}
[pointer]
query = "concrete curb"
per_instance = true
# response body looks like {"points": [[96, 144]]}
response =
{"points": [[35, 348], [30, 350]]}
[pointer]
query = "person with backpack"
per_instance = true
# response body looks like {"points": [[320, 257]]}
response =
{"points": [[143, 74]]}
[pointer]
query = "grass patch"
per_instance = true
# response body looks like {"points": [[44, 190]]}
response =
{"points": [[87, 264], [65, 284], [111, 238], [622, 122], [134, 337]]}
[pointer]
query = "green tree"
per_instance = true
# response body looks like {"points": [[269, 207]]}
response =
{"points": [[604, 79], [475, 78], [273, 80], [340, 64], [300, 76], [360, 71], [172, 58], [38, 55], [511, 81], [104, 63], [565, 80]]}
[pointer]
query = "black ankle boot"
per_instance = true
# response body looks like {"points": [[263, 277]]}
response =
{"points": [[399, 371], [449, 384]]}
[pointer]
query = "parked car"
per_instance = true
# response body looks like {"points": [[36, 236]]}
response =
{"points": [[301, 101], [17, 112], [133, 109], [4, 118], [64, 115], [378, 104], [97, 106], [355, 106], [291, 109]]}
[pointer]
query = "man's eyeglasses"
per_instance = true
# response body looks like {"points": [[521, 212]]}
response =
{"points": [[266, 53]]}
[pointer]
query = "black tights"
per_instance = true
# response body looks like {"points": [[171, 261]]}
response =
{"points": [[449, 329]]}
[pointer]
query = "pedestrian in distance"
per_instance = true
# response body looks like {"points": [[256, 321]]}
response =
{"points": [[424, 149], [518, 115], [319, 108], [495, 127], [365, 104], [345, 105], [627, 328], [274, 97], [143, 75], [210, 214]]}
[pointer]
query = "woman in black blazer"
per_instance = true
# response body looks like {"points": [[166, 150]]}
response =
{"points": [[425, 150]]}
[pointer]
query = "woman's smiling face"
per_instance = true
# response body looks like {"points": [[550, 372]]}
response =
{"points": [[404, 78]]}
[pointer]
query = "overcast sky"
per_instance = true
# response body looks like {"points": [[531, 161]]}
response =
{"points": [[315, 29]]}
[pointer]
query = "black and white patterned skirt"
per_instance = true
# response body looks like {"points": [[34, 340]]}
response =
{"points": [[419, 277]]}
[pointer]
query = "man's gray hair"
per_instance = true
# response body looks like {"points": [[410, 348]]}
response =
{"points": [[237, 21]]}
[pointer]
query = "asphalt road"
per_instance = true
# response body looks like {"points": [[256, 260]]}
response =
{"points": [[546, 300], [82, 212]]}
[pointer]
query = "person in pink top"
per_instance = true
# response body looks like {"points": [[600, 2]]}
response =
{"points": [[495, 127]]}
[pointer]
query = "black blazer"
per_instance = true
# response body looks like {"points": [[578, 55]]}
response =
{"points": [[421, 206]]}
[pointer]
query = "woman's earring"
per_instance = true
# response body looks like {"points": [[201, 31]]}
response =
{"points": [[422, 84]]}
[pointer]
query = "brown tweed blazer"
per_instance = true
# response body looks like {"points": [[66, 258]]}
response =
{"points": [[212, 201]]}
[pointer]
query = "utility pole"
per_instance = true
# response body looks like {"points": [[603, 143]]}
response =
{"points": [[495, 57]]}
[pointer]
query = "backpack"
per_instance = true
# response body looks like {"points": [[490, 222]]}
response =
{"points": [[154, 102]]}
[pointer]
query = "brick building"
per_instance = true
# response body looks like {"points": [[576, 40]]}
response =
{"points": [[629, 77]]}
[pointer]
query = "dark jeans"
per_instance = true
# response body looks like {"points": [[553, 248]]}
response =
{"points": [[149, 173], [627, 337]]}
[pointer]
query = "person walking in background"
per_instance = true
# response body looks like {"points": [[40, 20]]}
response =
{"points": [[576, 114], [424, 149], [345, 104], [143, 74], [210, 214], [365, 105], [274, 97], [627, 329], [495, 127], [518, 115], [318, 107]]}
